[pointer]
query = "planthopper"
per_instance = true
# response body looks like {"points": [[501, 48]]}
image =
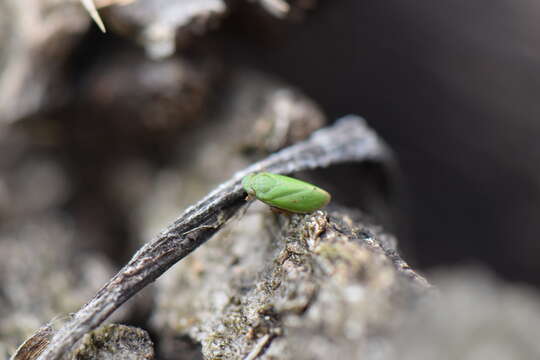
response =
{"points": [[285, 193]]}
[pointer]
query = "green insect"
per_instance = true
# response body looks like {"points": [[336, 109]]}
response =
{"points": [[285, 193]]}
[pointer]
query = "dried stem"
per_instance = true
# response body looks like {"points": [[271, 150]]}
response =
{"points": [[349, 140]]}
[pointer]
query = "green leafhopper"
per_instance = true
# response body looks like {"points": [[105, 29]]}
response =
{"points": [[285, 193]]}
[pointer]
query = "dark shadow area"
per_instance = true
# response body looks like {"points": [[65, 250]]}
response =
{"points": [[453, 89]]}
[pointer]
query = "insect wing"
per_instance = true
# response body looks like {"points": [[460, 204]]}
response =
{"points": [[295, 195]]}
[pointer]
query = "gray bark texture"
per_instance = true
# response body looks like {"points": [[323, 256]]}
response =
{"points": [[106, 141], [347, 141], [290, 287]]}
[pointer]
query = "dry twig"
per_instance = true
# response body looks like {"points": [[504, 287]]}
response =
{"points": [[349, 140]]}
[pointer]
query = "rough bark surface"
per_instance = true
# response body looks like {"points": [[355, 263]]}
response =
{"points": [[349, 140], [115, 342], [102, 146], [290, 287]]}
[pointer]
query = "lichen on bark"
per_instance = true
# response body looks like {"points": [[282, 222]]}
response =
{"points": [[269, 283]]}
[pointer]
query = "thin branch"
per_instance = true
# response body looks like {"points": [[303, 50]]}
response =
{"points": [[349, 140]]}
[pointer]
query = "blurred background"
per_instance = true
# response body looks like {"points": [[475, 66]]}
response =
{"points": [[105, 138], [453, 88]]}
